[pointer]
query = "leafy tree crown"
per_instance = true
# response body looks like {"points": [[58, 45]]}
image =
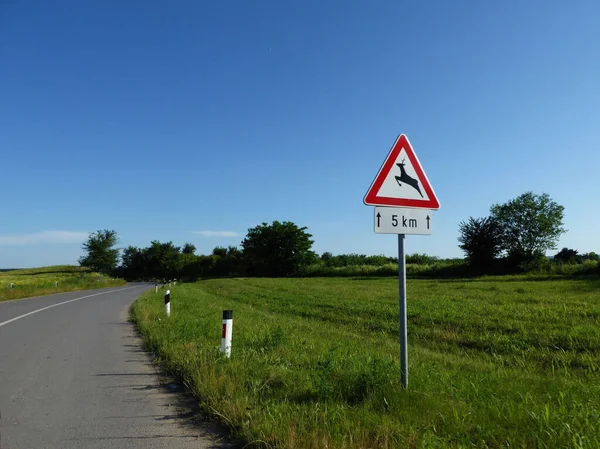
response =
{"points": [[530, 224]]}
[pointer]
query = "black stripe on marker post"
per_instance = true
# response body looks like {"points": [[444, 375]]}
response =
{"points": [[226, 332], [168, 303]]}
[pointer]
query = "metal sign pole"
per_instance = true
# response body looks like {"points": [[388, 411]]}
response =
{"points": [[398, 210], [403, 331]]}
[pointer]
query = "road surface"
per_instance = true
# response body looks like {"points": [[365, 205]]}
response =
{"points": [[73, 375]]}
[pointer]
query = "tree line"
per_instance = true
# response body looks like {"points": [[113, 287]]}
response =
{"points": [[274, 250], [513, 238]]}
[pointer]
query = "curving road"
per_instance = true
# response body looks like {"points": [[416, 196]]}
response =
{"points": [[73, 375]]}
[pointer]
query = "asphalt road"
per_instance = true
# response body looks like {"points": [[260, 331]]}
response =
{"points": [[74, 375]]}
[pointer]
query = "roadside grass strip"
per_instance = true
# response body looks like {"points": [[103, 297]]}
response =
{"points": [[43, 281], [494, 362]]}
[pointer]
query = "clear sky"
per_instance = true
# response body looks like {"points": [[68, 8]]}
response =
{"points": [[165, 120]]}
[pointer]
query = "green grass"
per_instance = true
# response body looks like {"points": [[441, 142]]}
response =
{"points": [[441, 268], [41, 281], [494, 362], [450, 268]]}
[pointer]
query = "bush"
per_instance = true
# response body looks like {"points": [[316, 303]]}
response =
{"points": [[480, 239], [321, 270], [439, 268], [587, 267], [590, 256], [567, 255], [537, 264], [421, 259], [345, 260]]}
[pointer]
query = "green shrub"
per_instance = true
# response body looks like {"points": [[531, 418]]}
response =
{"points": [[537, 264], [421, 259]]}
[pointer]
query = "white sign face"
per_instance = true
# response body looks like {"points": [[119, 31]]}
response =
{"points": [[399, 220], [403, 181]]}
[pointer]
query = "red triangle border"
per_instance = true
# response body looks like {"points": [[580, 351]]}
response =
{"points": [[372, 199]]}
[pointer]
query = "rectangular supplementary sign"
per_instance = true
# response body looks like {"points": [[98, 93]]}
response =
{"points": [[400, 220]]}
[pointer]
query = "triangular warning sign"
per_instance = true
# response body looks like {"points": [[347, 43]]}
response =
{"points": [[401, 181]]}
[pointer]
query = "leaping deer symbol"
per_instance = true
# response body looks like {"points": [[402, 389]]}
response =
{"points": [[405, 178]]}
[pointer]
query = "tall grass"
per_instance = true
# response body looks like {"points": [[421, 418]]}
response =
{"points": [[502, 362], [449, 268], [42, 281], [441, 268]]}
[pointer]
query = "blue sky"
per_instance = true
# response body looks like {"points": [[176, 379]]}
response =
{"points": [[164, 120]]}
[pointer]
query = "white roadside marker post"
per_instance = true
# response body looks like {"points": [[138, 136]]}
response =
{"points": [[56, 284], [226, 333], [12, 285], [168, 303], [155, 288]]}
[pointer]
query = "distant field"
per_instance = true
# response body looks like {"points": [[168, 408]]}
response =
{"points": [[497, 362], [41, 281]]}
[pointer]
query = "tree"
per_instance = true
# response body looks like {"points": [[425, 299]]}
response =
{"points": [[134, 263], [480, 239], [188, 248], [415, 258], [567, 255], [590, 256], [531, 224], [220, 251], [163, 260], [326, 257], [160, 261], [279, 249], [101, 256], [191, 268], [227, 261]]}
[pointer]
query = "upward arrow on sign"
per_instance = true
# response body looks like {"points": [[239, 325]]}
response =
{"points": [[401, 181]]}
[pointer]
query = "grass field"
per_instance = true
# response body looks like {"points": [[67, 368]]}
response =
{"points": [[494, 362], [41, 281]]}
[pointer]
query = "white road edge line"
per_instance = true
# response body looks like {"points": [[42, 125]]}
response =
{"points": [[64, 302]]}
